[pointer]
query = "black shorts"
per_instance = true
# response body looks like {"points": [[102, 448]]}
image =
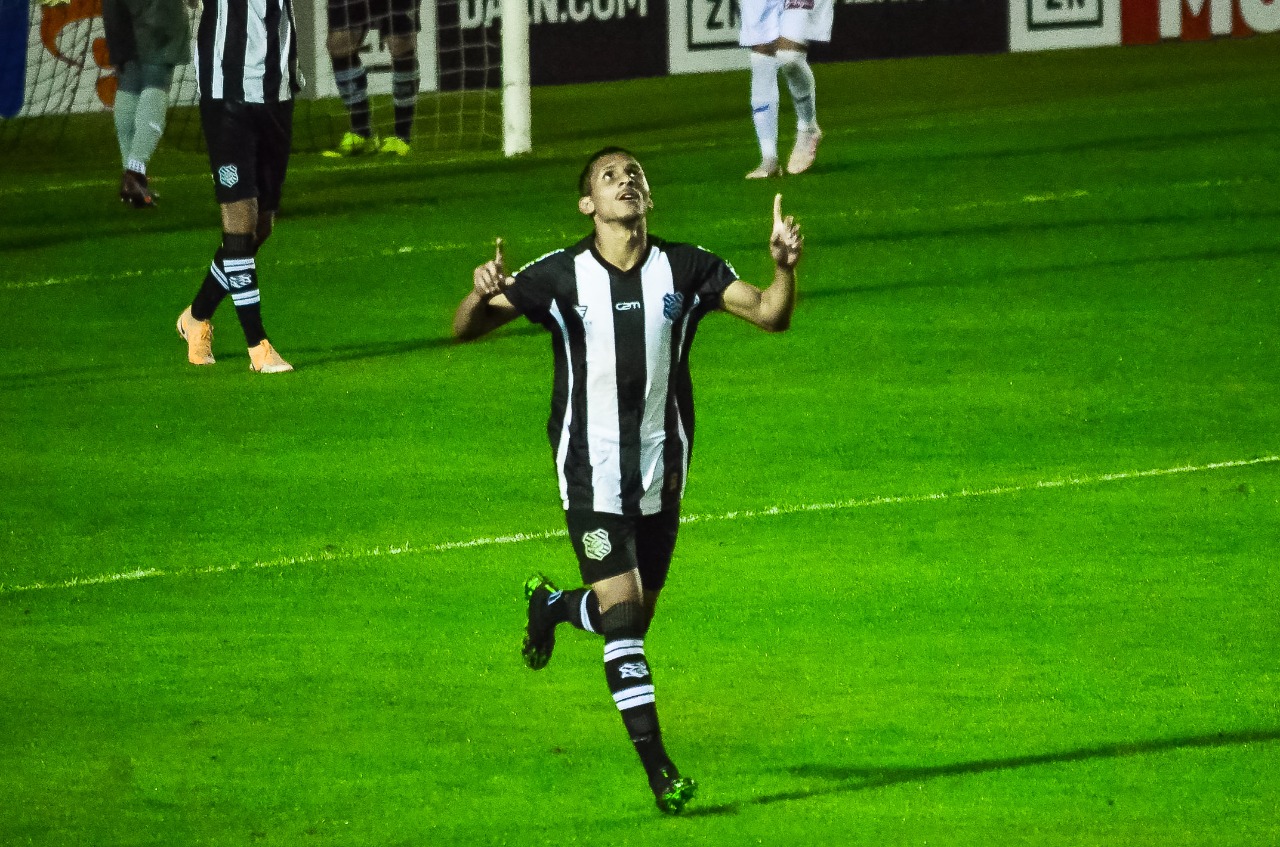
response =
{"points": [[248, 149], [610, 545], [390, 17]]}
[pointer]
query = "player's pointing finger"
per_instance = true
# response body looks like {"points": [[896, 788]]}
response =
{"points": [[777, 208]]}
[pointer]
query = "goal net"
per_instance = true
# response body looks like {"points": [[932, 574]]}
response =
{"points": [[67, 83]]}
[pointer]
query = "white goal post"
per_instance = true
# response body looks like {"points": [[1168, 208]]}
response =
{"points": [[517, 111]]}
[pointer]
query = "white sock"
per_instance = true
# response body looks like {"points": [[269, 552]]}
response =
{"points": [[764, 103], [794, 65], [125, 109], [153, 107]]}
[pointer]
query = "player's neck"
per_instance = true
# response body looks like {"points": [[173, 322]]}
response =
{"points": [[622, 244]]}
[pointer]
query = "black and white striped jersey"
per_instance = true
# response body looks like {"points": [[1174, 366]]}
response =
{"points": [[621, 424], [247, 51]]}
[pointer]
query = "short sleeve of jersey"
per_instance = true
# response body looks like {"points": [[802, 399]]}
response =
{"points": [[701, 272], [534, 286]]}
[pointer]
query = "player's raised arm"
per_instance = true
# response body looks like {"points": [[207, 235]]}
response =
{"points": [[771, 309], [485, 308]]}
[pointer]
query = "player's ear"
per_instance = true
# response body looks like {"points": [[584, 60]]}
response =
{"points": [[587, 206]]}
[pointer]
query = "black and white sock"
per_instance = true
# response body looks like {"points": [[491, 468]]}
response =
{"points": [[579, 608], [631, 683], [404, 94], [353, 87], [235, 270]]}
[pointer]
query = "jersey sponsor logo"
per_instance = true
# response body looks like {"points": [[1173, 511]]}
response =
{"points": [[672, 305], [798, 4], [596, 544], [633, 670], [627, 305], [228, 176]]}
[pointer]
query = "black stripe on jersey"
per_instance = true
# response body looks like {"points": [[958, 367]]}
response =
{"points": [[271, 63], [673, 457], [627, 298], [571, 365], [235, 48]]}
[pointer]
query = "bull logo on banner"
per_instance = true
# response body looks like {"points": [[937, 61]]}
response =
{"points": [[63, 21]]}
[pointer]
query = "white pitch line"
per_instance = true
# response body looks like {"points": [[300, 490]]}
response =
{"points": [[745, 514]]}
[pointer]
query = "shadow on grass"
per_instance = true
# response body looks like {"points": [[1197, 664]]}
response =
{"points": [[848, 779], [306, 358]]}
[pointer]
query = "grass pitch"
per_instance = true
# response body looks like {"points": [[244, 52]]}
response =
{"points": [[981, 552]]}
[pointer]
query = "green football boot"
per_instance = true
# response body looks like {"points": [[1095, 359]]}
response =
{"points": [[674, 792], [540, 632], [353, 144]]}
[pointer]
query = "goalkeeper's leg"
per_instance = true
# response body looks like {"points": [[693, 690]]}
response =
{"points": [[353, 87], [404, 90]]}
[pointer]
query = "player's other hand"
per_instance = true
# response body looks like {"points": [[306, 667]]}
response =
{"points": [[786, 243], [491, 278]]}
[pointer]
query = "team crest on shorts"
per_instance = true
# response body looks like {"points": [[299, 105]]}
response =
{"points": [[228, 175], [596, 544], [672, 305]]}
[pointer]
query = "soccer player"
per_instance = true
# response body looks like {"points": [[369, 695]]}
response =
{"points": [[778, 33], [146, 39], [397, 21], [622, 307], [247, 63]]}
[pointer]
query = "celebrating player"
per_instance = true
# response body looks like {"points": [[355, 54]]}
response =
{"points": [[247, 56], [397, 22], [622, 307], [778, 33]]}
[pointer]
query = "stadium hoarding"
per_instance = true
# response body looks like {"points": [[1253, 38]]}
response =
{"points": [[704, 33], [1058, 24], [1152, 21], [596, 40]]}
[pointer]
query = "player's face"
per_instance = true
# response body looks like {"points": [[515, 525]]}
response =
{"points": [[619, 190]]}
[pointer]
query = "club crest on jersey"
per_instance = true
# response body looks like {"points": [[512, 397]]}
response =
{"points": [[672, 305], [228, 176], [596, 544]]}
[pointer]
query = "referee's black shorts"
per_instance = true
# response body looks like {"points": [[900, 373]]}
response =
{"points": [[391, 17], [248, 149], [611, 545]]}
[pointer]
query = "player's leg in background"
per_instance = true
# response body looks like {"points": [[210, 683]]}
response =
{"points": [[348, 26], [248, 154], [150, 116], [796, 28], [124, 112], [764, 109], [402, 43]]}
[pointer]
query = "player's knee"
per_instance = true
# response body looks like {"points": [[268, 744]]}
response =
{"points": [[401, 46], [343, 43], [791, 58], [628, 619]]}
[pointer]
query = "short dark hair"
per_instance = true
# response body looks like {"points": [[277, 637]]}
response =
{"points": [[584, 179]]}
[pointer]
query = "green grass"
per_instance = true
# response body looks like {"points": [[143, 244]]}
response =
{"points": [[234, 609]]}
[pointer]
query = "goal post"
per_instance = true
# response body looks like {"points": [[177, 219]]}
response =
{"points": [[517, 110]]}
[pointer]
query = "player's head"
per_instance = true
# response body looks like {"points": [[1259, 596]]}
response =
{"points": [[613, 187]]}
